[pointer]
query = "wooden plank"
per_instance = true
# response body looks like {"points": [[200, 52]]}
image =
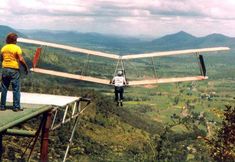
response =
{"points": [[43, 99], [33, 104], [9, 118], [166, 80], [169, 53], [70, 48], [72, 76]]}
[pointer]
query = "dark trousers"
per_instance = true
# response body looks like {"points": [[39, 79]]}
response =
{"points": [[11, 76], [119, 93]]}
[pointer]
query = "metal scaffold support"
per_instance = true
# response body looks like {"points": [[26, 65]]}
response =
{"points": [[72, 112], [56, 110]]}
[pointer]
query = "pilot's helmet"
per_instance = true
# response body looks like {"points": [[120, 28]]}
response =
{"points": [[119, 73]]}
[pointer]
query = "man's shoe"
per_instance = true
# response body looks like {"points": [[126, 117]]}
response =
{"points": [[20, 109], [15, 110], [2, 108]]}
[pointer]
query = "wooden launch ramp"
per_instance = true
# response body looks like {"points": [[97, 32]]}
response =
{"points": [[35, 104]]}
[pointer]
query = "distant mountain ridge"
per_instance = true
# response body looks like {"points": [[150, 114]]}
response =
{"points": [[173, 38], [183, 40], [124, 45], [4, 30], [177, 41], [93, 41]]}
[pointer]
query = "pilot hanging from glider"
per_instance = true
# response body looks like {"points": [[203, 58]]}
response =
{"points": [[119, 82]]}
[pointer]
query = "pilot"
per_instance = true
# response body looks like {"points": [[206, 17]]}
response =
{"points": [[11, 57], [119, 82]]}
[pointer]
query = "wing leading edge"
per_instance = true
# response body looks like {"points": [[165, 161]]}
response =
{"points": [[124, 57], [178, 52], [69, 48]]}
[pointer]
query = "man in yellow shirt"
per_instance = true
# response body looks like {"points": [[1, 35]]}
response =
{"points": [[11, 57]]}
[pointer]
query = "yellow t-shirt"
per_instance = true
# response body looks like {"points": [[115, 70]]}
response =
{"points": [[10, 56]]}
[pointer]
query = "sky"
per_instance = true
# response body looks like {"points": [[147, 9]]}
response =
{"points": [[122, 17]]}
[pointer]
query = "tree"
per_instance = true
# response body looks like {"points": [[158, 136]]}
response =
{"points": [[222, 146]]}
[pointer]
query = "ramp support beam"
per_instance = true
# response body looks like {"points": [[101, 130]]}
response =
{"points": [[45, 136], [23, 133]]}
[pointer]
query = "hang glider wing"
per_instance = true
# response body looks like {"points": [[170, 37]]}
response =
{"points": [[124, 57], [179, 52], [69, 48], [167, 80], [71, 76], [107, 82], [121, 59]]}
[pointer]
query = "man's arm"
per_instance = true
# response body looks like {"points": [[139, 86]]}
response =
{"points": [[24, 64], [124, 81], [1, 58], [112, 81]]}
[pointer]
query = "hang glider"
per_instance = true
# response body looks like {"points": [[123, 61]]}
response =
{"points": [[120, 60]]}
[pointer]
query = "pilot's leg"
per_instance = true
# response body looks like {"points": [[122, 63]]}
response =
{"points": [[116, 94], [121, 95]]}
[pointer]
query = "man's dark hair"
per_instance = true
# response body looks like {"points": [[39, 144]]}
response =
{"points": [[11, 38]]}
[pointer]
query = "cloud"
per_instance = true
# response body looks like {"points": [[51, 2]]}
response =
{"points": [[123, 16], [114, 8]]}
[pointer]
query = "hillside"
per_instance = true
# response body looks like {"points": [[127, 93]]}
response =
{"points": [[157, 123]]}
